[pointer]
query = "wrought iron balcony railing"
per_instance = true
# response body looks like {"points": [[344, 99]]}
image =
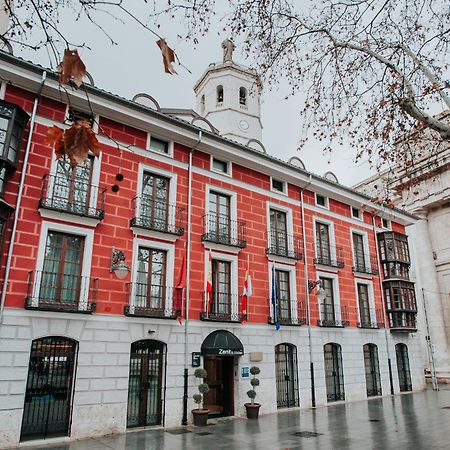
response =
{"points": [[331, 256], [280, 243], [370, 318], [52, 291], [333, 316], [365, 264], [220, 229], [157, 215], [290, 313], [223, 307], [73, 196], [151, 300]]}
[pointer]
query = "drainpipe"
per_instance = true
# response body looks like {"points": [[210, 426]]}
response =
{"points": [[184, 420], [308, 309], [19, 196], [383, 303]]}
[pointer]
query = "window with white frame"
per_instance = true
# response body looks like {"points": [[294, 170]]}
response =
{"points": [[278, 186], [363, 304], [359, 253], [159, 145], [321, 201], [386, 223], [356, 213], [220, 166]]}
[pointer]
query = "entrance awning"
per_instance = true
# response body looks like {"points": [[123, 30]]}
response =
{"points": [[222, 342]]}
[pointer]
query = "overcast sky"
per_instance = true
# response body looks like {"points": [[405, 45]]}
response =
{"points": [[135, 65]]}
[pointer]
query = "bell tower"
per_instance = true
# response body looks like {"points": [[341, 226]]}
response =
{"points": [[228, 95]]}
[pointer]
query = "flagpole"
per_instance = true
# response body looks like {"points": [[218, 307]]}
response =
{"points": [[247, 309]]}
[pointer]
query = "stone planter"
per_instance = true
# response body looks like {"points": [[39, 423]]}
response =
{"points": [[252, 410], [200, 417]]}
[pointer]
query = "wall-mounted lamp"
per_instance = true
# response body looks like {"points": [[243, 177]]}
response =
{"points": [[118, 265], [321, 294]]}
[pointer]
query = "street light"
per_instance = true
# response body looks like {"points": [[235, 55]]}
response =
{"points": [[118, 264], [321, 293]]}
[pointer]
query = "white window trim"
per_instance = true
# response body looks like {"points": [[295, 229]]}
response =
{"points": [[336, 293], [170, 145], [360, 213], [170, 268], [289, 221], [173, 183], [285, 186], [365, 236], [88, 235], [389, 224], [292, 286], [372, 311], [330, 224], [228, 173], [233, 203], [327, 203], [233, 259]]}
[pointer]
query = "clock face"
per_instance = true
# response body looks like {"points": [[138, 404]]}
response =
{"points": [[243, 125]]}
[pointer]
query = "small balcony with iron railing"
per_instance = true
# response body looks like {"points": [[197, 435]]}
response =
{"points": [[334, 316], [74, 196], [222, 307], [331, 256], [279, 243], [158, 216], [365, 264], [370, 318], [221, 229], [151, 300], [51, 291], [289, 312]]}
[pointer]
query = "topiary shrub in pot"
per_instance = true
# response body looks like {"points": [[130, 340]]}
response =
{"points": [[252, 408], [200, 415]]}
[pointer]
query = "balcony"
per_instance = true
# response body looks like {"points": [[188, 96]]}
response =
{"points": [[370, 318], [330, 256], [402, 321], [50, 291], [157, 215], [365, 264], [72, 196], [284, 245], [290, 313], [224, 307], [395, 270], [334, 316], [150, 300], [393, 247], [220, 229]]}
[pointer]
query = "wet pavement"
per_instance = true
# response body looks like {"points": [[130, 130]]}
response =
{"points": [[408, 421]]}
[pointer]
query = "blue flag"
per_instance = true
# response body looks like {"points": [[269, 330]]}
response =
{"points": [[275, 300]]}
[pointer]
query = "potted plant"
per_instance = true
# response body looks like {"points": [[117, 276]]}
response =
{"points": [[200, 415], [252, 407]]}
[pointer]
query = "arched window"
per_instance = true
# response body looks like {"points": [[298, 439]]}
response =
{"points": [[202, 105], [372, 369], [242, 96], [286, 375], [404, 373], [219, 94], [334, 376]]}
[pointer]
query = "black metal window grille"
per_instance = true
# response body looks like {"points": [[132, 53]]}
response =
{"points": [[146, 386], [334, 375], [48, 395], [404, 373], [364, 307], [286, 376], [150, 286], [372, 369]]}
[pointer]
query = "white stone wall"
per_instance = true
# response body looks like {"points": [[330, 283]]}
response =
{"points": [[101, 379]]}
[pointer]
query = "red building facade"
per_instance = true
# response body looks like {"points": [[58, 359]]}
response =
{"points": [[89, 346]]}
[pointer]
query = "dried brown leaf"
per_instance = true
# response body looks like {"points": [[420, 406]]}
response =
{"points": [[71, 68]]}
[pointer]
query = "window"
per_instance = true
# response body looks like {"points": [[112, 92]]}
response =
{"points": [[323, 251], [219, 94], [278, 185], [154, 201], [321, 201], [159, 145], [278, 232], [359, 256], [61, 274], [242, 96], [219, 217], [386, 223], [284, 295], [356, 213], [221, 287], [3, 179], [363, 303], [150, 289], [327, 309], [220, 166], [202, 105]]}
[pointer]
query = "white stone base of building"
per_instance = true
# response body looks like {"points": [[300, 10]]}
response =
{"points": [[101, 377]]}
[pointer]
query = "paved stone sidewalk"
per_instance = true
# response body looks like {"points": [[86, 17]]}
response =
{"points": [[409, 421]]}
